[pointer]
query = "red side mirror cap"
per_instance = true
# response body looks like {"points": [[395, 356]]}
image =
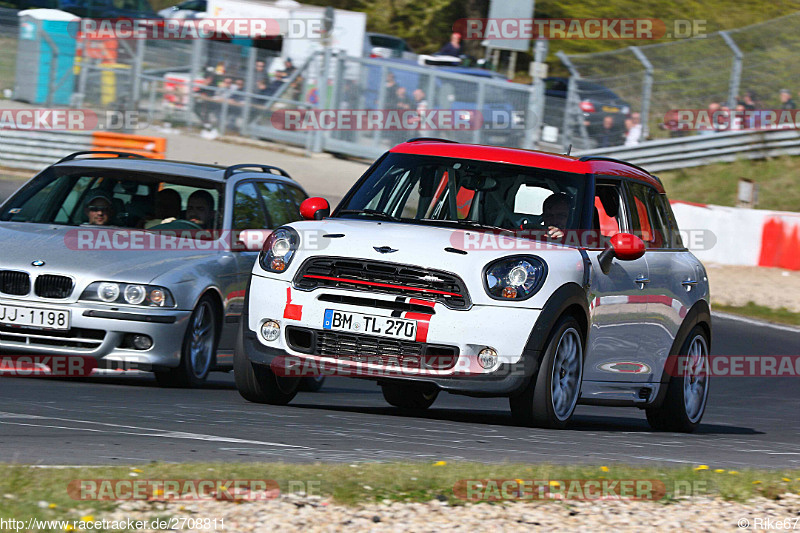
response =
{"points": [[627, 247], [315, 208]]}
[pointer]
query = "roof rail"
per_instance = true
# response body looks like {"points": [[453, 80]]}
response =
{"points": [[119, 155], [264, 168], [415, 139]]}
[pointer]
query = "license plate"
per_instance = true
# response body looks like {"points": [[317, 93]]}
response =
{"points": [[400, 328], [610, 109], [14, 315]]}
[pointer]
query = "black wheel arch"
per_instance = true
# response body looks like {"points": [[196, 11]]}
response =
{"points": [[699, 314]]}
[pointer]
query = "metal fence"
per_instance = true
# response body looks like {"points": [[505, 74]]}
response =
{"points": [[748, 66], [219, 88]]}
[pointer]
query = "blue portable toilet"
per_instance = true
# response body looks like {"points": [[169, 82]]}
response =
{"points": [[45, 55]]}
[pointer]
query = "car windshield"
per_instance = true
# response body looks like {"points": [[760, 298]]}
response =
{"points": [[447, 191], [102, 197]]}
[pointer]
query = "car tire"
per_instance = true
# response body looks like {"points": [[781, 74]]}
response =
{"points": [[687, 394], [548, 402], [198, 349], [414, 396], [311, 384], [258, 383]]}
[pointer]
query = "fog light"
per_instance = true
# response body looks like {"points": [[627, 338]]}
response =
{"points": [[142, 342], [270, 330], [487, 358]]}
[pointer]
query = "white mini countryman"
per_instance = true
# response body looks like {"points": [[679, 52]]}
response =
{"points": [[486, 271]]}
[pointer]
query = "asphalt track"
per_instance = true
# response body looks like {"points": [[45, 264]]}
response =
{"points": [[749, 422]]}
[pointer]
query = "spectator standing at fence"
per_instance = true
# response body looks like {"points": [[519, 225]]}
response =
{"points": [[610, 134], [288, 67], [390, 98], [420, 106], [453, 48], [633, 126], [786, 100], [260, 73], [749, 101]]}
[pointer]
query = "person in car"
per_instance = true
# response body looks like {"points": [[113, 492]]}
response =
{"points": [[168, 208], [200, 208], [555, 214], [98, 209]]}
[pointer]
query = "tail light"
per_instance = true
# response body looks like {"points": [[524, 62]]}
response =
{"points": [[587, 106]]}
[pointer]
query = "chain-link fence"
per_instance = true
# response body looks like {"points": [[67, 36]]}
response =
{"points": [[747, 67], [220, 87]]}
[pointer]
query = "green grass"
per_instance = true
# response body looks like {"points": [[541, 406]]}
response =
{"points": [[42, 493], [8, 62], [752, 310], [717, 184]]}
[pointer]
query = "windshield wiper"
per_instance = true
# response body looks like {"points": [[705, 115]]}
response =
{"points": [[467, 223], [373, 212]]}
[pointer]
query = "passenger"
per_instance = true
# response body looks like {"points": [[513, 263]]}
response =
{"points": [[168, 208], [98, 208], [200, 208]]}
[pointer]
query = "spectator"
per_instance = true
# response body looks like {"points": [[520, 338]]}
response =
{"points": [[739, 122], [403, 101], [610, 134], [749, 101], [710, 127], [634, 130], [236, 98], [205, 93], [288, 67], [390, 101], [295, 90], [420, 105], [786, 100], [453, 48], [260, 72]]}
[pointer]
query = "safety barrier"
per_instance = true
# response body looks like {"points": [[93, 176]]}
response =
{"points": [[752, 237], [36, 150], [698, 150]]}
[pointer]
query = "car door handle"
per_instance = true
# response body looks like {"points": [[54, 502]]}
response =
{"points": [[689, 282]]}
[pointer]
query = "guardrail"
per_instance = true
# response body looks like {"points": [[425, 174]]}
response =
{"points": [[699, 150], [36, 150]]}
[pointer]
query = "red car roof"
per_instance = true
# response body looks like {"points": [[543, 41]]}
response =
{"points": [[528, 158]]}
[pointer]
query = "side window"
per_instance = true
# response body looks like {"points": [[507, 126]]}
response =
{"points": [[280, 203], [673, 237], [247, 210], [609, 209], [644, 218]]}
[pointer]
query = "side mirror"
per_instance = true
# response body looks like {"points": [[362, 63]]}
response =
{"points": [[315, 208], [623, 246]]}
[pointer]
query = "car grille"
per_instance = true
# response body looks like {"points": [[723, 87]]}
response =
{"points": [[382, 277], [13, 282], [77, 338], [366, 348], [52, 286]]}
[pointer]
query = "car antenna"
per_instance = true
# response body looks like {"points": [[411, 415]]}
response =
{"points": [[569, 149]]}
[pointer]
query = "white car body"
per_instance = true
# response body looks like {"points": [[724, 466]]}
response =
{"points": [[621, 312]]}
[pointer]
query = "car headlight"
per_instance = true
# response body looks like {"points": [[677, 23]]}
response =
{"points": [[514, 278], [279, 250], [111, 292]]}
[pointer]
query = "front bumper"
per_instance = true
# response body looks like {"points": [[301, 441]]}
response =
{"points": [[505, 329], [99, 332]]}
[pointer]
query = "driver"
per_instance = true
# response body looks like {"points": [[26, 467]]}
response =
{"points": [[200, 208], [555, 214], [98, 209]]}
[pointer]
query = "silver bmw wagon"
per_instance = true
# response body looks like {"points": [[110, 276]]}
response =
{"points": [[136, 263]]}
